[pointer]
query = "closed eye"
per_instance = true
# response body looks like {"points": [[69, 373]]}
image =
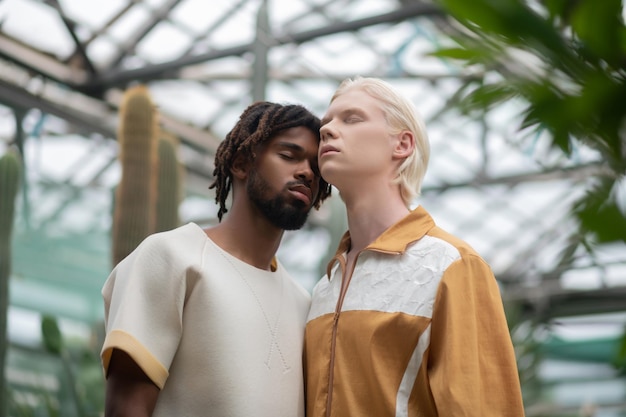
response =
{"points": [[288, 157], [353, 119]]}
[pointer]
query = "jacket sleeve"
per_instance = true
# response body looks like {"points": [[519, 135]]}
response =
{"points": [[472, 365]]}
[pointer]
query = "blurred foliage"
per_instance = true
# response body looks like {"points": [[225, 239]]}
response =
{"points": [[73, 363], [527, 351], [46, 406], [620, 358], [565, 61], [85, 382]]}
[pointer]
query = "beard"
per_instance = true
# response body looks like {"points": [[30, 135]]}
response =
{"points": [[281, 213]]}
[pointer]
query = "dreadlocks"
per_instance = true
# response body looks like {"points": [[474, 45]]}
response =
{"points": [[259, 123]]}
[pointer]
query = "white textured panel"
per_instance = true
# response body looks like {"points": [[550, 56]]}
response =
{"points": [[404, 283]]}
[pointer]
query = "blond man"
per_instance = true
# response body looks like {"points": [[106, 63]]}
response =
{"points": [[408, 320]]}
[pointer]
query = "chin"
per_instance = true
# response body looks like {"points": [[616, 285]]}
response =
{"points": [[286, 216], [329, 175], [293, 222]]}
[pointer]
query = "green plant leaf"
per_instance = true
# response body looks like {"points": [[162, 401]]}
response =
{"points": [[457, 53], [557, 8], [600, 215], [597, 24], [52, 338], [486, 96]]}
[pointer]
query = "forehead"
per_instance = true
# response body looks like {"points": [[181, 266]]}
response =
{"points": [[354, 99], [299, 136]]}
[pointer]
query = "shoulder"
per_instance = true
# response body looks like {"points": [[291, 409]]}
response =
{"points": [[444, 242], [163, 258], [189, 233], [169, 250], [464, 248], [464, 264], [175, 241], [442, 252]]}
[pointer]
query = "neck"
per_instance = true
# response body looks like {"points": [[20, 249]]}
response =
{"points": [[370, 214], [248, 236]]}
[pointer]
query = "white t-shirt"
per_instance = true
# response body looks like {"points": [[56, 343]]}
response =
{"points": [[217, 335]]}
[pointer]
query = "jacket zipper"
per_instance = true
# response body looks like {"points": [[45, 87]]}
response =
{"points": [[333, 342], [345, 282]]}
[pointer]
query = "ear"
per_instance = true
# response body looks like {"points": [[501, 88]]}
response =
{"points": [[404, 145], [240, 167]]}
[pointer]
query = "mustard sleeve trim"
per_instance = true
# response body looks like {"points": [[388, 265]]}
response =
{"points": [[121, 340]]}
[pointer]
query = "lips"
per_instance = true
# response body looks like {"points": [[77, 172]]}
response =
{"points": [[302, 192], [325, 149]]}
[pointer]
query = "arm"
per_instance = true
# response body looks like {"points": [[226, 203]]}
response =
{"points": [[472, 365], [129, 392]]}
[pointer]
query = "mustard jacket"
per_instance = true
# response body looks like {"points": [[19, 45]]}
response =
{"points": [[419, 330]]}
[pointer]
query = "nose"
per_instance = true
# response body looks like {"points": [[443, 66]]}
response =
{"points": [[305, 172], [327, 131]]}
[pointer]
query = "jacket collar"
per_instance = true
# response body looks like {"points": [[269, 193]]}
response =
{"points": [[395, 239]]}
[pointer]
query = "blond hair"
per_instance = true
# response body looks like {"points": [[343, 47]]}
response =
{"points": [[401, 115]]}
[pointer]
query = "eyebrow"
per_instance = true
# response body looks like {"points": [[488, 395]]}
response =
{"points": [[289, 145]]}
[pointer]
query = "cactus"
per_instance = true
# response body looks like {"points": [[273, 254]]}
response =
{"points": [[169, 182], [10, 172], [135, 199]]}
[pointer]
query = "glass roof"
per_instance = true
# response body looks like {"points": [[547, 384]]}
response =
{"points": [[68, 63], [64, 65]]}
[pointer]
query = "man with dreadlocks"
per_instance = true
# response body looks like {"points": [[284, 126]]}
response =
{"points": [[208, 322]]}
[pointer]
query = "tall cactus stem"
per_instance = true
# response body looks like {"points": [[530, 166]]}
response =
{"points": [[134, 212], [169, 184], [10, 172]]}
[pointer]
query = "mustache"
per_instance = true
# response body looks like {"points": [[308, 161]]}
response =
{"points": [[296, 183]]}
